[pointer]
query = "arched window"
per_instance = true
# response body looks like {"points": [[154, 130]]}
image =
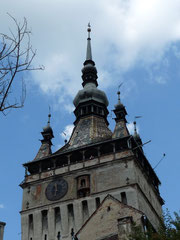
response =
{"points": [[83, 186], [83, 182]]}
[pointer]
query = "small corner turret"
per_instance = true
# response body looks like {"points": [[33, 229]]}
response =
{"points": [[45, 149], [136, 136], [120, 110], [120, 113]]}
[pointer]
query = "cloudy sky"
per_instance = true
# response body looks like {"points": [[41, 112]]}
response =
{"points": [[136, 42]]}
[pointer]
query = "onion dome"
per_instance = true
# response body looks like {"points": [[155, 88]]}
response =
{"points": [[90, 92], [47, 130]]}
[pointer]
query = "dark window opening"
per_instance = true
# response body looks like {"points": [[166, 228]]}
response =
{"points": [[98, 202], [45, 237], [91, 153], [83, 193], [70, 214], [47, 165], [57, 215], [94, 109], [85, 210], [30, 222], [89, 109], [44, 219], [107, 148], [70, 210], [83, 110], [76, 157], [120, 145], [33, 168], [123, 198], [62, 161]]}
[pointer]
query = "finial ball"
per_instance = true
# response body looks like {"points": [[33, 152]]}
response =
{"points": [[89, 27]]}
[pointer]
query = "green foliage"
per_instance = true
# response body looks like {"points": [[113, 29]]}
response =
{"points": [[169, 230]]}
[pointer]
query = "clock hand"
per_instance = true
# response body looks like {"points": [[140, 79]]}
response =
{"points": [[56, 189]]}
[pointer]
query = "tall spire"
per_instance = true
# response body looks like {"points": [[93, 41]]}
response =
{"points": [[89, 52], [89, 70]]}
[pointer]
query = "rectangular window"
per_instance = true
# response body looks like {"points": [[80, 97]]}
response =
{"points": [[123, 198], [44, 219], [85, 210], [57, 215], [30, 222], [97, 202], [70, 214]]}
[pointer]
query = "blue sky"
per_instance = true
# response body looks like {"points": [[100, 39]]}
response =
{"points": [[135, 42]]}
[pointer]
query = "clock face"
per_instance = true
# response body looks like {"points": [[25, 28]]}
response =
{"points": [[56, 189]]}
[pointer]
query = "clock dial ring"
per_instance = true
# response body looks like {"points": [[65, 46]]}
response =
{"points": [[56, 189]]}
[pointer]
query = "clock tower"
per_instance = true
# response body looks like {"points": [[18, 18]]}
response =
{"points": [[61, 190]]}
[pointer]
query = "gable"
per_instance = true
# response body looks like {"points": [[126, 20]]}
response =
{"points": [[104, 221]]}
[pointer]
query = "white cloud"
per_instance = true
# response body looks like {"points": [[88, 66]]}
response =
{"points": [[69, 107], [67, 132], [1, 206], [161, 80], [124, 33]]}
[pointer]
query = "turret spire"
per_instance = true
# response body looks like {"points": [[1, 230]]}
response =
{"points": [[136, 136], [47, 133], [89, 52], [120, 112], [135, 129]]}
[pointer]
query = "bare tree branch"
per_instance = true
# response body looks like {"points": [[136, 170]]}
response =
{"points": [[16, 57]]}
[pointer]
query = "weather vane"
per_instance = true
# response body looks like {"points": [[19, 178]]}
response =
{"points": [[49, 115]]}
